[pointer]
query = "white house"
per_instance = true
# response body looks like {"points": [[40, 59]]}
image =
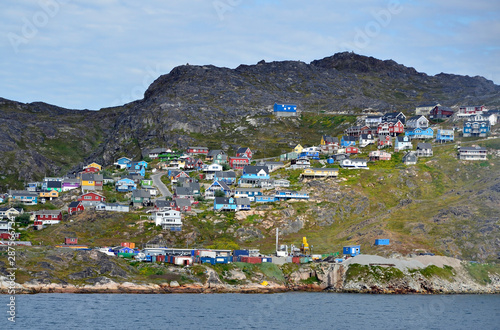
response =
{"points": [[353, 163], [402, 143], [366, 139], [168, 219], [417, 122], [211, 169]]}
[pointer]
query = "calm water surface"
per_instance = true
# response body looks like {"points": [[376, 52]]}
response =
{"points": [[253, 311]]}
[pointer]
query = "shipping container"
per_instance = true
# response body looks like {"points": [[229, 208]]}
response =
{"points": [[126, 255], [207, 260], [296, 260], [222, 260], [267, 260], [254, 260], [209, 254], [183, 261], [160, 258], [132, 245], [289, 259], [240, 253], [384, 241], [153, 258], [126, 244]]}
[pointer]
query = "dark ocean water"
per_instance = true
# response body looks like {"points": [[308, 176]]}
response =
{"points": [[253, 311]]}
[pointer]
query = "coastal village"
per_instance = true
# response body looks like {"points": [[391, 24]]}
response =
{"points": [[168, 184]]}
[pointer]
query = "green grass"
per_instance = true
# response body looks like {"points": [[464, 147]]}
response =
{"points": [[481, 272], [447, 272], [357, 272]]}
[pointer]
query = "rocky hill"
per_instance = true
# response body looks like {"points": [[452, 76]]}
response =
{"points": [[221, 107]]}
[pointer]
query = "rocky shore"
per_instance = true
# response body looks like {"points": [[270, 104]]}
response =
{"points": [[362, 274]]}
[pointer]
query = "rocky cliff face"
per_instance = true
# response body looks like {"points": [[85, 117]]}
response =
{"points": [[208, 104]]}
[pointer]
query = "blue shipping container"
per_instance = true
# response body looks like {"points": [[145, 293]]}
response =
{"points": [[240, 253], [352, 250], [207, 260], [384, 241]]}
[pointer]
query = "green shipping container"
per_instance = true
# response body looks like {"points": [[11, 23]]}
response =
{"points": [[126, 255]]}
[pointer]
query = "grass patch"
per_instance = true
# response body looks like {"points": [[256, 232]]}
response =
{"points": [[447, 272], [481, 272], [357, 272]]}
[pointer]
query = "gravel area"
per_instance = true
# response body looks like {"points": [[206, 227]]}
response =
{"points": [[404, 263]]}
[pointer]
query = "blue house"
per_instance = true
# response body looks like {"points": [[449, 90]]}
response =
{"points": [[347, 141], [125, 185], [24, 196], [224, 204], [476, 128], [138, 170], [217, 185], [137, 165], [309, 154], [254, 175], [251, 193], [281, 195], [265, 199], [285, 110], [352, 250], [228, 177], [122, 162], [420, 133], [445, 135]]}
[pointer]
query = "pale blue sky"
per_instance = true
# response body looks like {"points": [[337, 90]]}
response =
{"points": [[100, 53]]}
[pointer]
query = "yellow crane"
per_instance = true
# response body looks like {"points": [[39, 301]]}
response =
{"points": [[304, 248]]}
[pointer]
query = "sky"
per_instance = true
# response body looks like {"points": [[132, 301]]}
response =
{"points": [[92, 54]]}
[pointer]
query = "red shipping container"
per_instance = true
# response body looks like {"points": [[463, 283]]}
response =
{"points": [[126, 244], [254, 260], [296, 260]]}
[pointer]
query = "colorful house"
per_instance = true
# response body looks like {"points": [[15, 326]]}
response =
{"points": [[215, 186], [228, 177], [445, 135], [355, 163], [366, 139], [244, 152], [137, 165], [224, 204], [48, 217], [420, 133], [122, 162], [238, 163], [95, 165], [329, 140], [346, 141], [320, 172], [197, 150], [24, 197], [282, 195], [112, 207], [75, 207], [54, 185], [91, 181], [424, 150], [311, 154], [472, 153], [217, 157], [417, 122], [70, 184], [390, 128], [476, 128], [425, 108], [394, 117], [48, 194], [384, 141], [285, 110], [403, 143], [298, 148], [91, 199], [379, 155], [439, 112], [351, 150], [251, 193], [125, 185]]}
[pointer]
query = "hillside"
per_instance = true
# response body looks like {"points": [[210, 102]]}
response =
{"points": [[223, 108]]}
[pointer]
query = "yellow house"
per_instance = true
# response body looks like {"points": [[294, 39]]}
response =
{"points": [[49, 194], [298, 149], [94, 165], [320, 172]]}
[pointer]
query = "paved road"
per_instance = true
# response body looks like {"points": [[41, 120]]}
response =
{"points": [[161, 186]]}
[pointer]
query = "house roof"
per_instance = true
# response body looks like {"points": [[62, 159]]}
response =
{"points": [[476, 148], [242, 201], [410, 156], [424, 145], [330, 139], [426, 105], [222, 200], [415, 118], [254, 169], [366, 136], [74, 204], [401, 138], [349, 138], [54, 184], [157, 150], [92, 177], [222, 184], [182, 202], [184, 191], [23, 193], [242, 150], [213, 153], [248, 189], [141, 193], [226, 174], [48, 212]]}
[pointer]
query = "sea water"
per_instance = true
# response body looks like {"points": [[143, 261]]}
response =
{"points": [[298, 310]]}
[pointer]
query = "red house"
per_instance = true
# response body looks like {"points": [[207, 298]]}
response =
{"points": [[70, 240], [197, 150], [90, 170], [384, 141], [244, 152], [391, 128], [440, 112], [91, 197], [238, 163], [47, 217], [6, 236], [74, 207], [351, 150]]}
